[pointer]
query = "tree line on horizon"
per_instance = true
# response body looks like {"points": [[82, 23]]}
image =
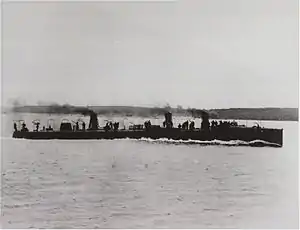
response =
{"points": [[287, 114]]}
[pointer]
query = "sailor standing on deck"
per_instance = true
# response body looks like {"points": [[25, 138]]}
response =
{"points": [[37, 125], [24, 128], [15, 127]]}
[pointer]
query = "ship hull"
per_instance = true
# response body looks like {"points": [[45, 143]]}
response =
{"points": [[274, 136]]}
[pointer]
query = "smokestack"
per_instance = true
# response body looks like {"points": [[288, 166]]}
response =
{"points": [[205, 121], [93, 124], [168, 120]]}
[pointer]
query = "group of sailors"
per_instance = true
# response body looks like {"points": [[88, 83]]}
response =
{"points": [[187, 126], [114, 126], [223, 124], [37, 126], [147, 124], [111, 126], [213, 124], [76, 126], [23, 129], [49, 128]]}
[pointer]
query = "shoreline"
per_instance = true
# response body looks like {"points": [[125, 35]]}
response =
{"points": [[272, 114]]}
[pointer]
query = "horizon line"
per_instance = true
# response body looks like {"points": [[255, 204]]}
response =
{"points": [[145, 106]]}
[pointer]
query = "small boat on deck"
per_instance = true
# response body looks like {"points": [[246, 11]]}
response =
{"points": [[209, 131]]}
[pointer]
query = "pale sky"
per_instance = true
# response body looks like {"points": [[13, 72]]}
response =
{"points": [[202, 53]]}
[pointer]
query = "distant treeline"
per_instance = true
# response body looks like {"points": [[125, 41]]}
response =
{"points": [[281, 114], [284, 114]]}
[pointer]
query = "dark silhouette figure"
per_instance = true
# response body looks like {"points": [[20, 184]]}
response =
{"points": [[234, 124], [44, 128], [107, 127], [192, 125], [147, 125], [226, 124], [77, 126], [168, 120], [179, 126], [205, 121], [214, 124], [37, 125], [116, 126], [15, 127], [185, 125], [24, 128], [83, 125], [93, 125]]}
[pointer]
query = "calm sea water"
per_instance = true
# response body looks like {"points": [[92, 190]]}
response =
{"points": [[144, 184]]}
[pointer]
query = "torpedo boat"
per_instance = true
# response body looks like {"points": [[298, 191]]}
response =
{"points": [[208, 132]]}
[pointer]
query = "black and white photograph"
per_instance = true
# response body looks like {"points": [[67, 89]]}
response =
{"points": [[150, 114]]}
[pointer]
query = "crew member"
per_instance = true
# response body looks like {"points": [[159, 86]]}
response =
{"points": [[24, 128], [192, 125], [15, 127], [37, 125]]}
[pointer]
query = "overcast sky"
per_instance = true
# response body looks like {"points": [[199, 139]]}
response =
{"points": [[202, 53]]}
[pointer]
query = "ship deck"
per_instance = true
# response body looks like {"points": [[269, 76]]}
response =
{"points": [[234, 133]]}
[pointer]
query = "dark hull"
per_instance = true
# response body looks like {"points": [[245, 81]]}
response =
{"points": [[274, 136]]}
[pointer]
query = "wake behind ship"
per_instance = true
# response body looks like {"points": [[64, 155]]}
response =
{"points": [[209, 131]]}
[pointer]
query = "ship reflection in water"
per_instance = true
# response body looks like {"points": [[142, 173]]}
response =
{"points": [[209, 131]]}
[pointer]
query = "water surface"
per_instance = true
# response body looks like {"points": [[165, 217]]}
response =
{"points": [[144, 184]]}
